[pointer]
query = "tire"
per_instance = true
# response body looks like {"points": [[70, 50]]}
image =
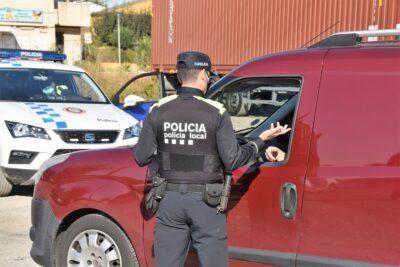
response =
{"points": [[85, 229], [5, 186], [236, 104]]}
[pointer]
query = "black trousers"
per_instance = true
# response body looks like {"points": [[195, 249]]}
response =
{"points": [[183, 218]]}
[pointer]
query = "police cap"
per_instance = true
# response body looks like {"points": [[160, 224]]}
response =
{"points": [[193, 60]]}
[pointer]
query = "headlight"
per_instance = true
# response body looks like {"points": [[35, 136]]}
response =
{"points": [[133, 131], [18, 130]]}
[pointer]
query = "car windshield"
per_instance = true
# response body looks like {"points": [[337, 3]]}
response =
{"points": [[42, 85]]}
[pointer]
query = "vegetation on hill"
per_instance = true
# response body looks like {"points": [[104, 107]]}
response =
{"points": [[137, 7], [135, 30], [100, 57]]}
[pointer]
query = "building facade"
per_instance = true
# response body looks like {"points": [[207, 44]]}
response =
{"points": [[51, 25]]}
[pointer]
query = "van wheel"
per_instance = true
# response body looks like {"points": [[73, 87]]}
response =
{"points": [[5, 186], [94, 240]]}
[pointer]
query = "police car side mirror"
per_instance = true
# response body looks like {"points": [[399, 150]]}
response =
{"points": [[132, 100]]}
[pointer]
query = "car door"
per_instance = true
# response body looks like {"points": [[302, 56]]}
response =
{"points": [[263, 215], [150, 86], [266, 199], [351, 209]]}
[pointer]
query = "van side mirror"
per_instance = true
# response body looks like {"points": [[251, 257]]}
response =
{"points": [[132, 100]]}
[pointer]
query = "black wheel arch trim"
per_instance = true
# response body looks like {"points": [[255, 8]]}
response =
{"points": [[43, 232]]}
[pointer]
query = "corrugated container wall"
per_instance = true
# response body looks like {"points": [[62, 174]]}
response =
{"points": [[233, 31]]}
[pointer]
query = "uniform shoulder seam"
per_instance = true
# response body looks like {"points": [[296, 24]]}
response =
{"points": [[163, 101], [215, 104]]}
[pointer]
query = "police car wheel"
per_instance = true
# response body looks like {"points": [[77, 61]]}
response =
{"points": [[94, 240], [5, 186]]}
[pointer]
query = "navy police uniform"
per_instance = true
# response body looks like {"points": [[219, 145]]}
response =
{"points": [[193, 140]]}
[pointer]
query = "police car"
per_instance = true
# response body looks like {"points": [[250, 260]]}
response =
{"points": [[48, 109]]}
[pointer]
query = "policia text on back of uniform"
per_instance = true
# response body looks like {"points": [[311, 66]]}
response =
{"points": [[192, 139]]}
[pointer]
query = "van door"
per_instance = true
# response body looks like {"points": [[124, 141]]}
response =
{"points": [[265, 201], [266, 198], [351, 206]]}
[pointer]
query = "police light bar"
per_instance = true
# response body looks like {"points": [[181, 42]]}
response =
{"points": [[32, 54]]}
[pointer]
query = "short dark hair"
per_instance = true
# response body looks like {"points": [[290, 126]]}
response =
{"points": [[188, 75]]}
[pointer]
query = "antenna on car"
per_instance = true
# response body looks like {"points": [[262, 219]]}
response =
{"points": [[318, 35]]}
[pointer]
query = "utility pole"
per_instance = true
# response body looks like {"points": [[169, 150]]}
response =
{"points": [[119, 39]]}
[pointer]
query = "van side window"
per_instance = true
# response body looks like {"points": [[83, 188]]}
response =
{"points": [[252, 103]]}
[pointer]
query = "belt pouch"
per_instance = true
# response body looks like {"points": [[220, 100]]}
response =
{"points": [[156, 193], [212, 194]]}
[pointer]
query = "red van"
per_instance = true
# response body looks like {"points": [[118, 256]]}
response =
{"points": [[333, 201]]}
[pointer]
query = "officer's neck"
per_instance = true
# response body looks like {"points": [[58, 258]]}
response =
{"points": [[195, 85]]}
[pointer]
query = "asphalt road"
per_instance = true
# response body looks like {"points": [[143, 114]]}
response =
{"points": [[15, 221]]}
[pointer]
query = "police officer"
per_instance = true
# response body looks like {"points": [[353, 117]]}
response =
{"points": [[193, 140]]}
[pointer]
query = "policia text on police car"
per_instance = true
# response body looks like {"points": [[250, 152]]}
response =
{"points": [[193, 141]]}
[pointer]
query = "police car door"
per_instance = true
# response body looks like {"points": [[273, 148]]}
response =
{"points": [[265, 203], [150, 85]]}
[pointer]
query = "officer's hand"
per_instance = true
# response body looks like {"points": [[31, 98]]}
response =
{"points": [[274, 154], [274, 131]]}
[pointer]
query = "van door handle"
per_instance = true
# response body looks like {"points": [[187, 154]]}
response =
{"points": [[289, 200]]}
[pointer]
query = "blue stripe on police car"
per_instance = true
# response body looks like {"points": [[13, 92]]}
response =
{"points": [[47, 114]]}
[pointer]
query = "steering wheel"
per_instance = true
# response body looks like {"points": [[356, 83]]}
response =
{"points": [[244, 140]]}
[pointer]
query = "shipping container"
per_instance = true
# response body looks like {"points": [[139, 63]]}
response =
{"points": [[234, 31]]}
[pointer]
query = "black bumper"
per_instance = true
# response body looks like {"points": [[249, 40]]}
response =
{"points": [[17, 176], [43, 232]]}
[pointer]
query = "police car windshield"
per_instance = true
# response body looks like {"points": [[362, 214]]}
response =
{"points": [[40, 85]]}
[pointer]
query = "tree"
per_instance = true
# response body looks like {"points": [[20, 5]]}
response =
{"points": [[138, 24], [105, 26], [127, 38]]}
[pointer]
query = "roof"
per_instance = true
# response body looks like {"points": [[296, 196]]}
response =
{"points": [[354, 38], [31, 64]]}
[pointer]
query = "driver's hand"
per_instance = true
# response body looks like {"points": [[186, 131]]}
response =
{"points": [[274, 154], [274, 131]]}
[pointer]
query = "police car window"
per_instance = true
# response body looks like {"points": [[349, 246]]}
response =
{"points": [[85, 85], [253, 100], [41, 85]]}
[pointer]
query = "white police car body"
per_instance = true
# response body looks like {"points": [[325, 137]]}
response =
{"points": [[48, 109]]}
